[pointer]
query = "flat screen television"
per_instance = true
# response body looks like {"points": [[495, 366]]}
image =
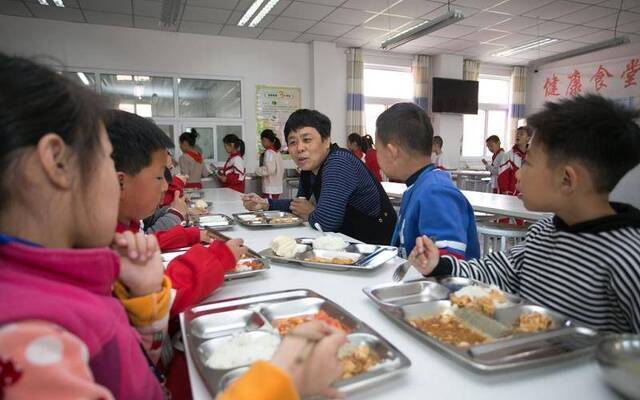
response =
{"points": [[455, 96]]}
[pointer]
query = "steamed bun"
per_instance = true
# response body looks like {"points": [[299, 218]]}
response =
{"points": [[284, 246]]}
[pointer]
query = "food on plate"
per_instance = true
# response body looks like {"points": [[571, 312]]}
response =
{"points": [[484, 299], [200, 204], [242, 349], [534, 322], [248, 264], [283, 220], [197, 211], [284, 246], [285, 325], [332, 260], [329, 242], [448, 328], [358, 360], [213, 220]]}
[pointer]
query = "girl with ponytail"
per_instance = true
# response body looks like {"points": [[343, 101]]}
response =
{"points": [[270, 168], [233, 173]]}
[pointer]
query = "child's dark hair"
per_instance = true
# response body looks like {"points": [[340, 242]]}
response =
{"points": [[308, 118], [525, 129], [438, 140], [493, 138], [406, 125], [357, 139], [596, 131], [269, 134], [236, 142], [134, 140], [189, 137], [34, 101], [369, 141]]}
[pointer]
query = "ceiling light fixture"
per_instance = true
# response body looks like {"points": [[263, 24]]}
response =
{"points": [[422, 29], [83, 78], [58, 3], [250, 11], [170, 13], [265, 10], [580, 51], [525, 47]]}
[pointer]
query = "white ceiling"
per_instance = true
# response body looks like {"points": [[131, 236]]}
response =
{"points": [[488, 27]]}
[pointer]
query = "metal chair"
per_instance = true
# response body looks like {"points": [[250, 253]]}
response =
{"points": [[495, 236]]}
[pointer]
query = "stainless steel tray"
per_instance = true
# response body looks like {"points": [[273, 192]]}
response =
{"points": [[619, 360], [566, 339], [202, 222], [207, 324], [364, 257], [265, 219]]}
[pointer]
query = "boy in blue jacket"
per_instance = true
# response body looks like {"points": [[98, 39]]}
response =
{"points": [[432, 205]]}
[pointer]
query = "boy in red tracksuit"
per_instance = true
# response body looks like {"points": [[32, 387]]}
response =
{"points": [[139, 154], [498, 160], [507, 176]]}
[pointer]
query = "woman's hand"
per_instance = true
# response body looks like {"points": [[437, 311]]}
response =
{"points": [[141, 269], [315, 374], [302, 207], [253, 202]]}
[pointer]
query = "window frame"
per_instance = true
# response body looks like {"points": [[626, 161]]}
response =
{"points": [[491, 107], [385, 101], [176, 121]]}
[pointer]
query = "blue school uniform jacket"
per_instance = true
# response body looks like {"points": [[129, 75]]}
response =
{"points": [[434, 207]]}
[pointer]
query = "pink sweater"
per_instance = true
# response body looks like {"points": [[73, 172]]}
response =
{"points": [[72, 289]]}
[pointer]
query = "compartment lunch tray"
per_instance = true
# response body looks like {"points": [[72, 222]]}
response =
{"points": [[566, 339], [210, 324], [267, 219]]}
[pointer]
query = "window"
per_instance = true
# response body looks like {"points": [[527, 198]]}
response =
{"points": [[147, 96], [209, 98], [210, 139], [492, 117], [383, 87]]}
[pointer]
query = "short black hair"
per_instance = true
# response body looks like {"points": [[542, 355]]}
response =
{"points": [[525, 129], [598, 132], [308, 118], [134, 140], [438, 140], [408, 126], [34, 101], [494, 139]]}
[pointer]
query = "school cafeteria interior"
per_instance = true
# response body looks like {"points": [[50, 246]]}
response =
{"points": [[377, 199]]}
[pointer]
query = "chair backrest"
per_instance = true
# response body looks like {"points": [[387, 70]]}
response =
{"points": [[499, 237]]}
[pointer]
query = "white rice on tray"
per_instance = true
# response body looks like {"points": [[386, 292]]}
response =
{"points": [[243, 349], [477, 292]]}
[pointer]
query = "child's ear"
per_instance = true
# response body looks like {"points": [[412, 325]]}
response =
{"points": [[570, 177], [53, 154]]}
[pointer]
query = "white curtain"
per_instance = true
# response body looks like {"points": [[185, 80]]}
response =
{"points": [[471, 70], [422, 76], [355, 95], [518, 95]]}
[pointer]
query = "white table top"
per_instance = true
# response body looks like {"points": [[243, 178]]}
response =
{"points": [[432, 375], [470, 172], [491, 203]]}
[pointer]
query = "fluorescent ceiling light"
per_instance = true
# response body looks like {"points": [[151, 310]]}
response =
{"points": [[123, 77], [83, 78], [580, 51], [249, 13], [170, 12], [265, 10], [422, 29], [140, 78], [525, 47], [57, 3]]}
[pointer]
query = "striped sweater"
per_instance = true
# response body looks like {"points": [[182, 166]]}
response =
{"points": [[589, 271], [345, 180]]}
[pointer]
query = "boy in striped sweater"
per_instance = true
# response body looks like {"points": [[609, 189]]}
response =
{"points": [[585, 261]]}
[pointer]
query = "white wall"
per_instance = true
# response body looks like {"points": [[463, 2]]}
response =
{"points": [[136, 50], [449, 126], [329, 89]]}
